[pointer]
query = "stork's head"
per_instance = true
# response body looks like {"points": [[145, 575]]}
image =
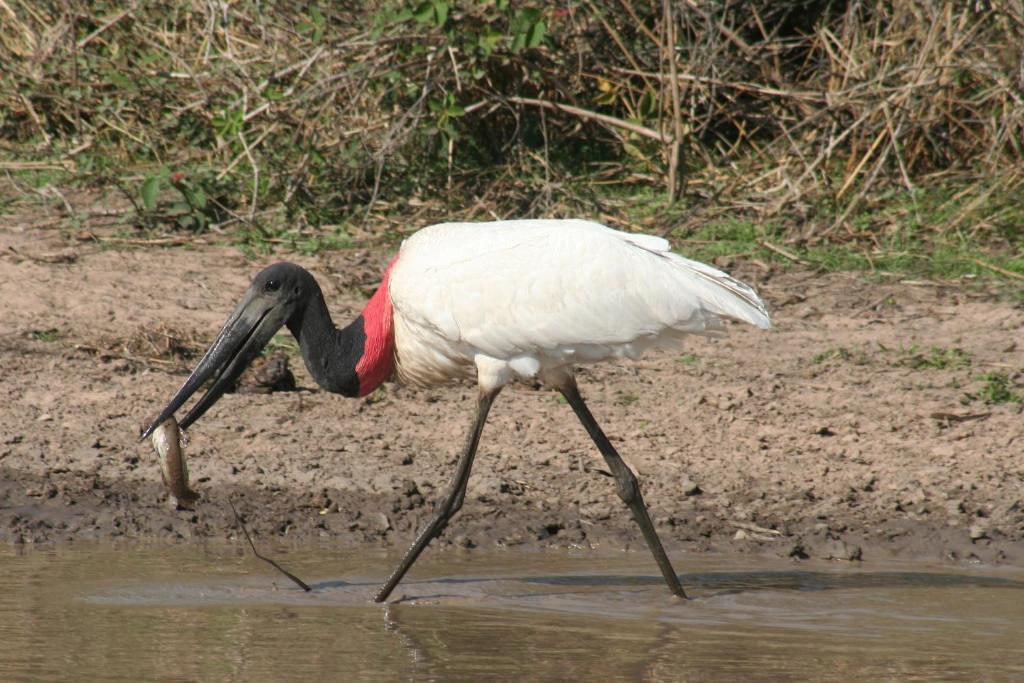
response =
{"points": [[277, 295]]}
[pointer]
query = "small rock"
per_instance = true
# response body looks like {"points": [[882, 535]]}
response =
{"points": [[485, 487], [690, 488], [380, 522], [838, 549], [978, 532], [463, 541], [740, 535]]}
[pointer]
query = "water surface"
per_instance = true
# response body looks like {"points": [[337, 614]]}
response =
{"points": [[186, 613]]}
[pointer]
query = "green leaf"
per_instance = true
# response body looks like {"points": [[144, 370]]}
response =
{"points": [[117, 78], [149, 190], [488, 41], [199, 198], [424, 13], [229, 124], [649, 104], [318, 21], [440, 12], [536, 33], [528, 15], [634, 151], [434, 13]]}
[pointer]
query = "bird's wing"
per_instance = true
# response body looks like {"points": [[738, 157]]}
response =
{"points": [[519, 287]]}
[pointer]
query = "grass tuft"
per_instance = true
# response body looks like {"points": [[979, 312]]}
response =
{"points": [[998, 388]]}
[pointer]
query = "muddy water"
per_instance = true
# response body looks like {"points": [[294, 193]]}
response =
{"points": [[215, 613]]}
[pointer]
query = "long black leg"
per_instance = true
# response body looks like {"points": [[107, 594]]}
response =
{"points": [[452, 499], [627, 484]]}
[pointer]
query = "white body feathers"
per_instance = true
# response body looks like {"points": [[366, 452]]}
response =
{"points": [[533, 297]]}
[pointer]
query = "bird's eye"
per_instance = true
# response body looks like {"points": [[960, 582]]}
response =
{"points": [[272, 286]]}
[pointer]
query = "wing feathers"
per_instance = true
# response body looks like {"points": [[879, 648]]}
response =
{"points": [[557, 288]]}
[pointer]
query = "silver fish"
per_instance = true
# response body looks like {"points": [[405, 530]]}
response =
{"points": [[167, 441]]}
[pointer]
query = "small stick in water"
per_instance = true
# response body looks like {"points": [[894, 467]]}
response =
{"points": [[299, 582]]}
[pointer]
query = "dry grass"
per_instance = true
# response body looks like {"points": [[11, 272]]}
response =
{"points": [[319, 116]]}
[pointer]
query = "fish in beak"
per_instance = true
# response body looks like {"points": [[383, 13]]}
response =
{"points": [[263, 310]]}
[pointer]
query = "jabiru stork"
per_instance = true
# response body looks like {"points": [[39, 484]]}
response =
{"points": [[490, 302]]}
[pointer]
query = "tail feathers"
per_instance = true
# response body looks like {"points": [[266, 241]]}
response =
{"points": [[725, 295], [720, 295]]}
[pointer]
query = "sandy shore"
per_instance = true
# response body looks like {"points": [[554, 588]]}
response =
{"points": [[839, 434]]}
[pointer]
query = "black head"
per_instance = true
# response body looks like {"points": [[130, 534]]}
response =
{"points": [[276, 294], [284, 283]]}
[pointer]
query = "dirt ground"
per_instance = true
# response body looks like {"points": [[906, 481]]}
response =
{"points": [[833, 435]]}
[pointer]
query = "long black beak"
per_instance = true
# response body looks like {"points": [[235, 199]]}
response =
{"points": [[252, 324]]}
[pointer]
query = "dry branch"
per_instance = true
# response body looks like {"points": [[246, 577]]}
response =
{"points": [[591, 116]]}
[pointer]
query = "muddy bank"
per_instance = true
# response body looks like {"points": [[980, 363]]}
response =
{"points": [[854, 430]]}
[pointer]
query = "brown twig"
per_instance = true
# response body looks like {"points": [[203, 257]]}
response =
{"points": [[782, 252], [238, 520], [106, 25], [591, 116], [958, 417], [997, 269], [675, 188]]}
